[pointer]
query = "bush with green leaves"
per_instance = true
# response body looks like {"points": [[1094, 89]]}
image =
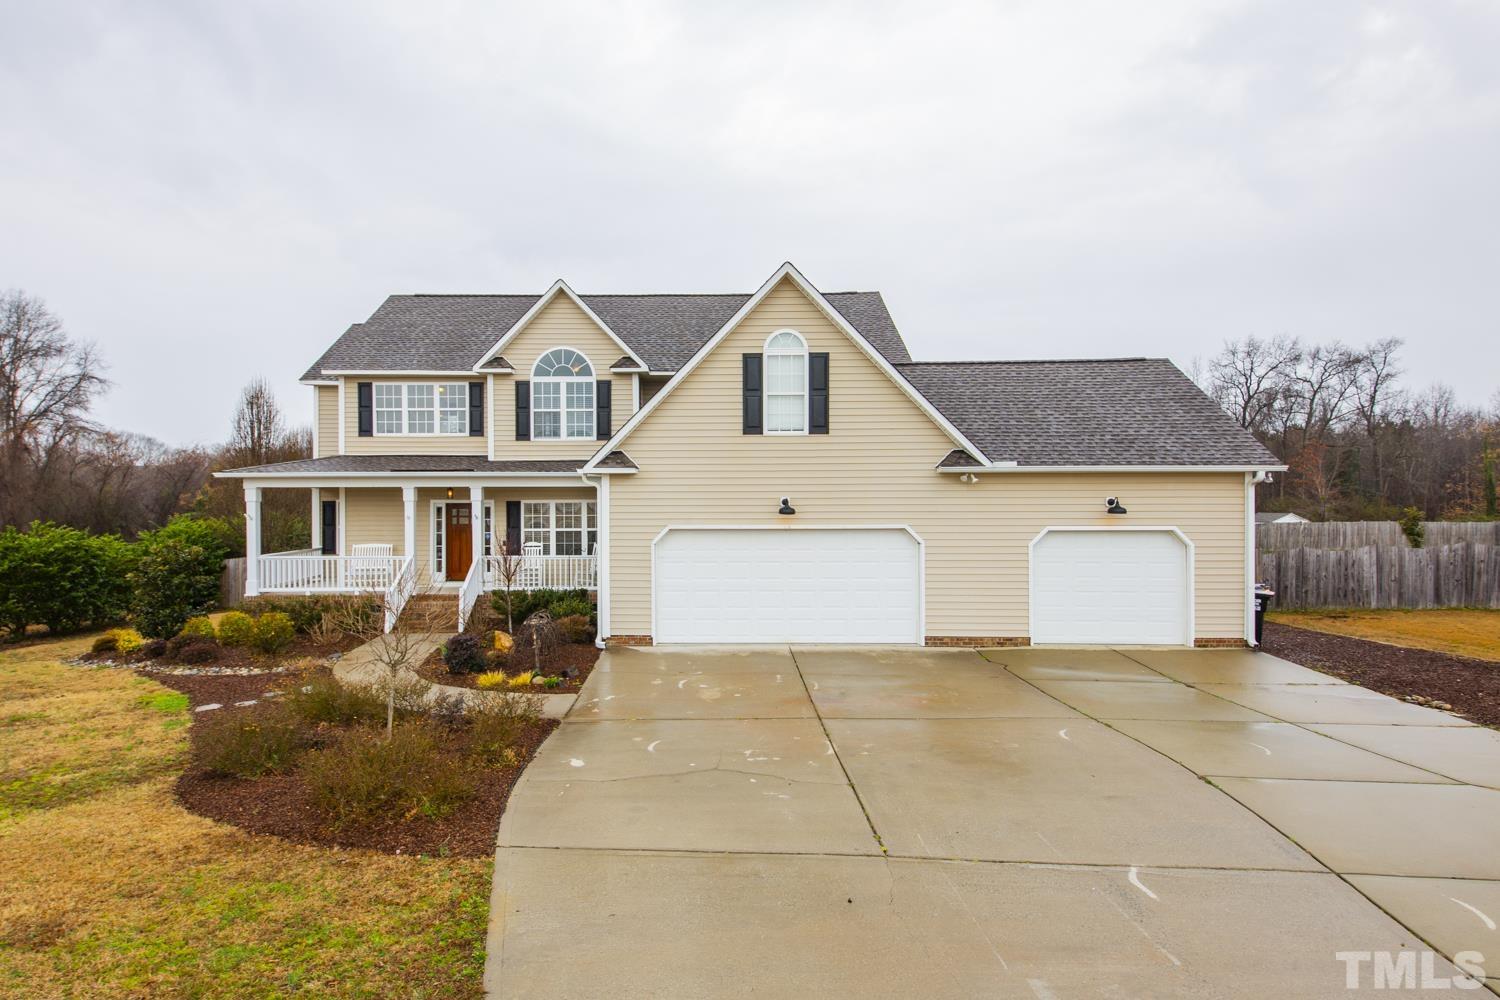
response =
{"points": [[62, 578], [273, 632], [1412, 527], [497, 720], [250, 743], [308, 611], [236, 629], [464, 654], [201, 626], [173, 581], [214, 535], [557, 603], [362, 775], [321, 698]]}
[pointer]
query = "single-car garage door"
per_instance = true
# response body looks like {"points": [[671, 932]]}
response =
{"points": [[749, 585], [1110, 586]]}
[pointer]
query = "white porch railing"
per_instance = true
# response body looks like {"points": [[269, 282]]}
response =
{"points": [[399, 592], [310, 572], [468, 594], [534, 572]]}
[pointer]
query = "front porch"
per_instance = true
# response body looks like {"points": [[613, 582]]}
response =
{"points": [[398, 541]]}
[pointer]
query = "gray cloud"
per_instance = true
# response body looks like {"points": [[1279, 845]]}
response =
{"points": [[212, 191]]}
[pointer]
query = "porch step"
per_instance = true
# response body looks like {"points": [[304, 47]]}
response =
{"points": [[431, 612]]}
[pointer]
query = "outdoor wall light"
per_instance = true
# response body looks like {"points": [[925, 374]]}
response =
{"points": [[450, 493], [1112, 506], [968, 477], [786, 506]]}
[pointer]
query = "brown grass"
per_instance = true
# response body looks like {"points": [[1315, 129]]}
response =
{"points": [[113, 890], [1462, 632]]}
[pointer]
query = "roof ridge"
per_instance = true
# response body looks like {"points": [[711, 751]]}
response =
{"points": [[1031, 361], [598, 295]]}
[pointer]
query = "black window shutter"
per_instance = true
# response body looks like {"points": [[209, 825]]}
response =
{"points": [[523, 411], [603, 416], [817, 393], [513, 527], [750, 421], [330, 527], [366, 409], [476, 409]]}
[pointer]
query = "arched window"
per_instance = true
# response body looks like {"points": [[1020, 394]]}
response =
{"points": [[562, 396], [786, 383]]}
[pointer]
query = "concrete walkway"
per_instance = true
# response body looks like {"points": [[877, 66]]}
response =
{"points": [[1037, 823], [362, 666]]}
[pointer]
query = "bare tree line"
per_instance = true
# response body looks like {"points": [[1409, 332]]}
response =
{"points": [[1357, 442], [57, 464]]}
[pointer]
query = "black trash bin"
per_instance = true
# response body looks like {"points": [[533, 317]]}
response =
{"points": [[1263, 595]]}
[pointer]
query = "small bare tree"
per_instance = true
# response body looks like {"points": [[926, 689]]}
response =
{"points": [[508, 573], [396, 653]]}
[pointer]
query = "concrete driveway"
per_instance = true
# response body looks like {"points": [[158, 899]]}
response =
{"points": [[947, 823]]}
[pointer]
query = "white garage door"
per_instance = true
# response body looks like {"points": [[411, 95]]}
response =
{"points": [[1128, 587], [787, 585]]}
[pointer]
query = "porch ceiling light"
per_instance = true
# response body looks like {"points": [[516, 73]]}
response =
{"points": [[450, 493], [786, 506]]}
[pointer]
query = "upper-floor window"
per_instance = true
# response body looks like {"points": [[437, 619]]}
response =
{"points": [[786, 383], [421, 408], [562, 396]]}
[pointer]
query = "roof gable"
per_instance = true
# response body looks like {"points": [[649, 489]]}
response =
{"points": [[559, 288], [787, 273]]}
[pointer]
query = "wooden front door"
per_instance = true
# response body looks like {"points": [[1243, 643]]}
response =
{"points": [[458, 538]]}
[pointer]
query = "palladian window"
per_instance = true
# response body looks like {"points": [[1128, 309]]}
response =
{"points": [[562, 396]]}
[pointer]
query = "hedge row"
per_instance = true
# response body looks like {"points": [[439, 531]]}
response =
{"points": [[67, 579]]}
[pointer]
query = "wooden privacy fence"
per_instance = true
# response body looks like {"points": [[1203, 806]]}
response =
{"points": [[232, 583], [1369, 564]]}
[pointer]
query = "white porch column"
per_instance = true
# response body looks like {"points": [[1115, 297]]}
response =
{"points": [[409, 520], [252, 540], [476, 524]]}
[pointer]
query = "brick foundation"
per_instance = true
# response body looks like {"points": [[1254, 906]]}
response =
{"points": [[978, 640], [628, 640], [1202, 643]]}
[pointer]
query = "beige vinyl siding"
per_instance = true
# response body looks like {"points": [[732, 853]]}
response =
{"points": [[875, 466], [651, 385], [326, 404], [404, 444], [560, 324], [376, 515]]}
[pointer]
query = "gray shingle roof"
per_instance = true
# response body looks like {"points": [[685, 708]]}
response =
{"points": [[413, 463], [1130, 411], [453, 332]]}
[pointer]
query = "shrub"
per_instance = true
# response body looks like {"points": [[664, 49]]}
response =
{"points": [[497, 660], [192, 649], [464, 655], [571, 607], [576, 628], [273, 632], [1412, 526], [104, 644], [492, 680], [557, 603], [154, 649], [172, 582], [126, 640], [62, 578], [308, 613], [250, 744], [201, 626], [322, 698], [236, 629], [363, 775], [216, 536], [552, 682], [497, 721], [521, 680]]}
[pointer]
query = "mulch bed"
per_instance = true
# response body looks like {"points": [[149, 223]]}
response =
{"points": [[580, 657], [1472, 687], [239, 658], [280, 805]]}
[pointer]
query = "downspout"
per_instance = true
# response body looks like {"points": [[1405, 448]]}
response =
{"points": [[1251, 480], [601, 495]]}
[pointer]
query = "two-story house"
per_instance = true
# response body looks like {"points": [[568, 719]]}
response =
{"points": [[767, 467]]}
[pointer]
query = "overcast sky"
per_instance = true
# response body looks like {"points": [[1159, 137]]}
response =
{"points": [[211, 191]]}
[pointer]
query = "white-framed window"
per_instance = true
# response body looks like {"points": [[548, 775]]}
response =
{"points": [[560, 527], [421, 408], [785, 404], [562, 396]]}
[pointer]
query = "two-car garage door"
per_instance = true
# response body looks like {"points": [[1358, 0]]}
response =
{"points": [[746, 585]]}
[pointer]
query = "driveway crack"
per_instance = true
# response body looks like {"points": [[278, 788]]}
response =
{"points": [[829, 737]]}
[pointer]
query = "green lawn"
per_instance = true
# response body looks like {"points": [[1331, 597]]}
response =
{"points": [[111, 889], [1462, 631]]}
